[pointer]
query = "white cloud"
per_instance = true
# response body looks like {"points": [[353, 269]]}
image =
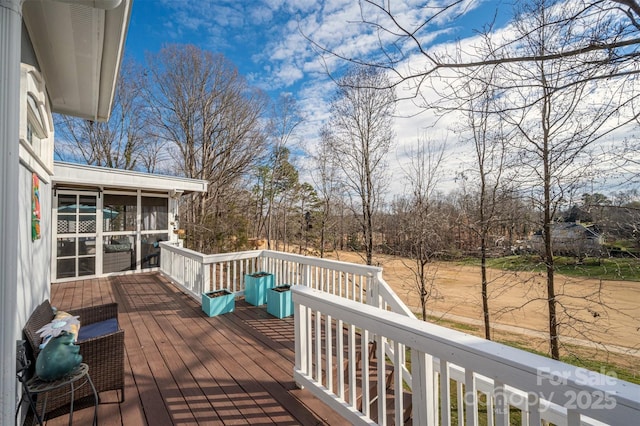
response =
{"points": [[288, 61]]}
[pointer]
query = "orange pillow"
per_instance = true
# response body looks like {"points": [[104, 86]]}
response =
{"points": [[73, 323]]}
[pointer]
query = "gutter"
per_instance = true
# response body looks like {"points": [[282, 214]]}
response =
{"points": [[96, 4]]}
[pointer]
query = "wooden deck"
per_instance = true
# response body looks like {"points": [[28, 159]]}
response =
{"points": [[183, 367]]}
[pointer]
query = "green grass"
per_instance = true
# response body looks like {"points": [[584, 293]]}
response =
{"points": [[625, 269], [452, 324], [515, 415], [589, 364]]}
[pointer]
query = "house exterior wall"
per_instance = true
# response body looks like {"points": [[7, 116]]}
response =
{"points": [[34, 256], [33, 37], [34, 146], [570, 239], [36, 137]]}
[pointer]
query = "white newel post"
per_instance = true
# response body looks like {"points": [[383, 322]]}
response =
{"points": [[10, 37], [300, 336], [373, 298], [205, 281]]}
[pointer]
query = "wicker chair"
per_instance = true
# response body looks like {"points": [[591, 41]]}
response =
{"points": [[104, 355]]}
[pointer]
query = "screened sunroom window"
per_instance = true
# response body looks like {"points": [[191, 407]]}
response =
{"points": [[119, 213], [155, 213]]}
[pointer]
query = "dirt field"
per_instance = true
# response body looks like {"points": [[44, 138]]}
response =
{"points": [[604, 312]]}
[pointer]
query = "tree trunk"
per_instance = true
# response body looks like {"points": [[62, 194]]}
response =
{"points": [[554, 345], [485, 285]]}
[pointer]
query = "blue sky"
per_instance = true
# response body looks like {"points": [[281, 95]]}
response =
{"points": [[262, 38]]}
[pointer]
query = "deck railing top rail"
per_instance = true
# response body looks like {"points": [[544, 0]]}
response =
{"points": [[353, 268]]}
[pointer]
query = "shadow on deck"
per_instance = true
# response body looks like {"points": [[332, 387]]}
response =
{"points": [[182, 367]]}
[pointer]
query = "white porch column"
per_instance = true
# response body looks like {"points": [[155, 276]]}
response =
{"points": [[10, 34]]}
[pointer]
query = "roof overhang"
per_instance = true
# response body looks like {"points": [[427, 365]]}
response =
{"points": [[79, 46], [83, 176]]}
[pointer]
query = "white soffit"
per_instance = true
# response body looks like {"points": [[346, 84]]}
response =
{"points": [[79, 49], [103, 177]]}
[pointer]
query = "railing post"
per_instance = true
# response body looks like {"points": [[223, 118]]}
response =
{"points": [[423, 392], [300, 328], [205, 280], [262, 262], [163, 260], [373, 295]]}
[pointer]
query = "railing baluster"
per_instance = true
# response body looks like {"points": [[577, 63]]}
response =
{"points": [[352, 365], [309, 343], [573, 417], [461, 406], [445, 395], [340, 356], [221, 274], [301, 338], [328, 322], [398, 353], [382, 378], [423, 395], [533, 406], [364, 356], [318, 351], [234, 278], [470, 397], [501, 404]]}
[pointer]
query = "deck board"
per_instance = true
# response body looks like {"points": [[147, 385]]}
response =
{"points": [[182, 367]]}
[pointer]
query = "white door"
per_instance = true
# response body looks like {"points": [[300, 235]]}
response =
{"points": [[76, 236]]}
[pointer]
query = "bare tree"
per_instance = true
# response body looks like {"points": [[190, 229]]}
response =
{"points": [[283, 122], [361, 136], [118, 143], [324, 176], [211, 117], [420, 222], [490, 153], [608, 30], [556, 112]]}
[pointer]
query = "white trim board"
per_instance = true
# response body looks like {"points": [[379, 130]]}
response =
{"points": [[104, 177]]}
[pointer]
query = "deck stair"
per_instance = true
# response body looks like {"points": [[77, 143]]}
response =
{"points": [[373, 386]]}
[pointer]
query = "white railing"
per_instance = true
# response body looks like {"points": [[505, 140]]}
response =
{"points": [[198, 273], [509, 384]]}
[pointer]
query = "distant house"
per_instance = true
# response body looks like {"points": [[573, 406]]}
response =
{"points": [[570, 238]]}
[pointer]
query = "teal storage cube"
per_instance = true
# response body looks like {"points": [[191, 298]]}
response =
{"points": [[218, 302], [256, 286], [279, 302]]}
